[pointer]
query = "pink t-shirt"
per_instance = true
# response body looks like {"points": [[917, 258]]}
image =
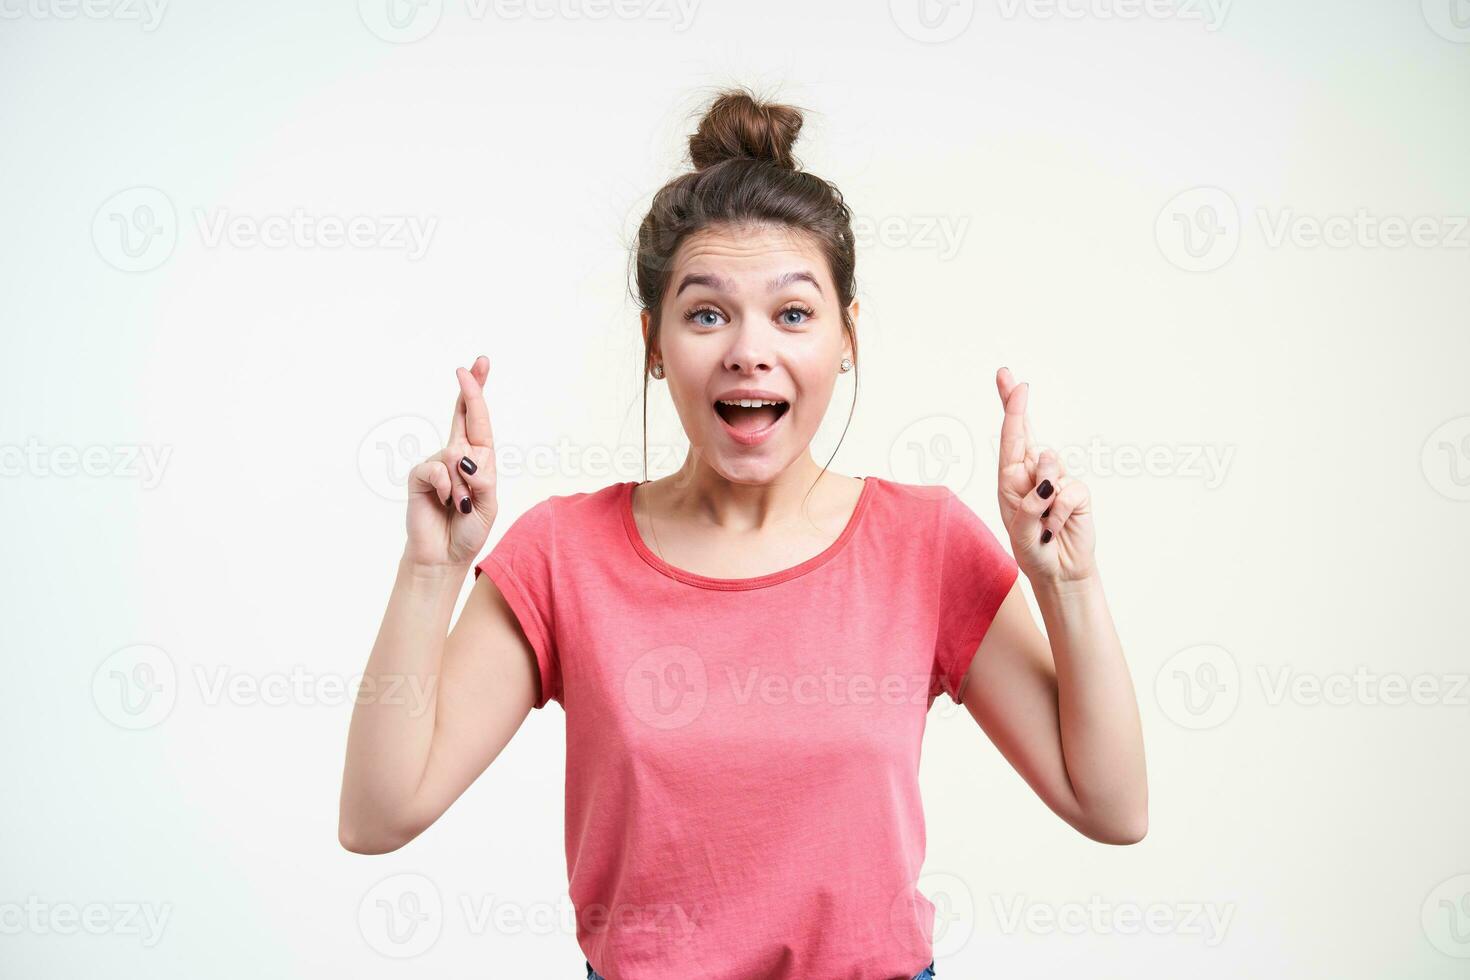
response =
{"points": [[742, 772]]}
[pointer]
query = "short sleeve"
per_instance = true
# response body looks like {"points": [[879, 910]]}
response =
{"points": [[522, 565], [975, 575]]}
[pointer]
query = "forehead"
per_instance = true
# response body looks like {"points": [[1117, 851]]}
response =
{"points": [[745, 253]]}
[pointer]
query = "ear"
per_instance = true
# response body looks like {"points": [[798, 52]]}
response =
{"points": [[852, 312], [646, 318]]}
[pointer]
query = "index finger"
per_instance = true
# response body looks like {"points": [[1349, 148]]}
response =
{"points": [[456, 424]]}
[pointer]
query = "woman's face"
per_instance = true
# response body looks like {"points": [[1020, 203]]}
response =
{"points": [[751, 312]]}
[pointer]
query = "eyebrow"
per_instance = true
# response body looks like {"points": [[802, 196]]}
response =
{"points": [[716, 282]]}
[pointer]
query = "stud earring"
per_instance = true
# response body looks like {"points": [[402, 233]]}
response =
{"points": [[846, 364], [658, 370]]}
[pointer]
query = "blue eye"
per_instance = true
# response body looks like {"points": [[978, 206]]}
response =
{"points": [[698, 313], [803, 311]]}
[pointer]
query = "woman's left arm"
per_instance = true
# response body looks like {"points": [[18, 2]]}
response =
{"points": [[1060, 707]]}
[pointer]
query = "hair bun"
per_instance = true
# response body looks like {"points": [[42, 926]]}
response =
{"points": [[738, 125]]}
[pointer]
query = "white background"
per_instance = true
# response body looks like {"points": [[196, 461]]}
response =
{"points": [[279, 391]]}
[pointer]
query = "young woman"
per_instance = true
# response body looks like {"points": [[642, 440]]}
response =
{"points": [[746, 650]]}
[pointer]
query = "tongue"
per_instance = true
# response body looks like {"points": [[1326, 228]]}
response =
{"points": [[750, 419]]}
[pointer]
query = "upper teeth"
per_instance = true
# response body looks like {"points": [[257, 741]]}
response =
{"points": [[749, 402]]}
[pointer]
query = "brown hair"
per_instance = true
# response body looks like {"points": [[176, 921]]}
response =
{"points": [[744, 173]]}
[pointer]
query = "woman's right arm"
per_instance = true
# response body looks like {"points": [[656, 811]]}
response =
{"points": [[437, 706]]}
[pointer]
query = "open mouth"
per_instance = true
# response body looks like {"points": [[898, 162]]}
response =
{"points": [[750, 416]]}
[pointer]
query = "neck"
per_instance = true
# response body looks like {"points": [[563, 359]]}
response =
{"points": [[698, 489]]}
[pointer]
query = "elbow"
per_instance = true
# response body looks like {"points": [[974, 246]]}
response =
{"points": [[1120, 829], [358, 838], [1129, 831], [357, 842]]}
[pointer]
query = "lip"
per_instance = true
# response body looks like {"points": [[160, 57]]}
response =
{"points": [[762, 393], [756, 436]]}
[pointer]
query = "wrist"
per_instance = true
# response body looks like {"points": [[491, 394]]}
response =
{"points": [[430, 575], [1068, 590]]}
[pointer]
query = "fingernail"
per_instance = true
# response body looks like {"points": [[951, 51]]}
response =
{"points": [[468, 465], [464, 505], [1044, 490], [1045, 513], [1045, 535]]}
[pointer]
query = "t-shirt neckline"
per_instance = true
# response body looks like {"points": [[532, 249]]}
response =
{"points": [[753, 582]]}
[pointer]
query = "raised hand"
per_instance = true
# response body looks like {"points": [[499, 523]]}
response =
{"points": [[451, 503], [1047, 513]]}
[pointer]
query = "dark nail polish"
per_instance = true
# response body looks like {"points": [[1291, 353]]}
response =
{"points": [[1044, 490], [464, 505], [468, 465], [1045, 535], [1046, 513]]}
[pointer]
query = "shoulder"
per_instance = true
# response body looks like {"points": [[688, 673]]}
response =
{"points": [[911, 500], [584, 515], [906, 516], [925, 515]]}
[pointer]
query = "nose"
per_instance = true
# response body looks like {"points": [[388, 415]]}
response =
{"points": [[749, 350]]}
